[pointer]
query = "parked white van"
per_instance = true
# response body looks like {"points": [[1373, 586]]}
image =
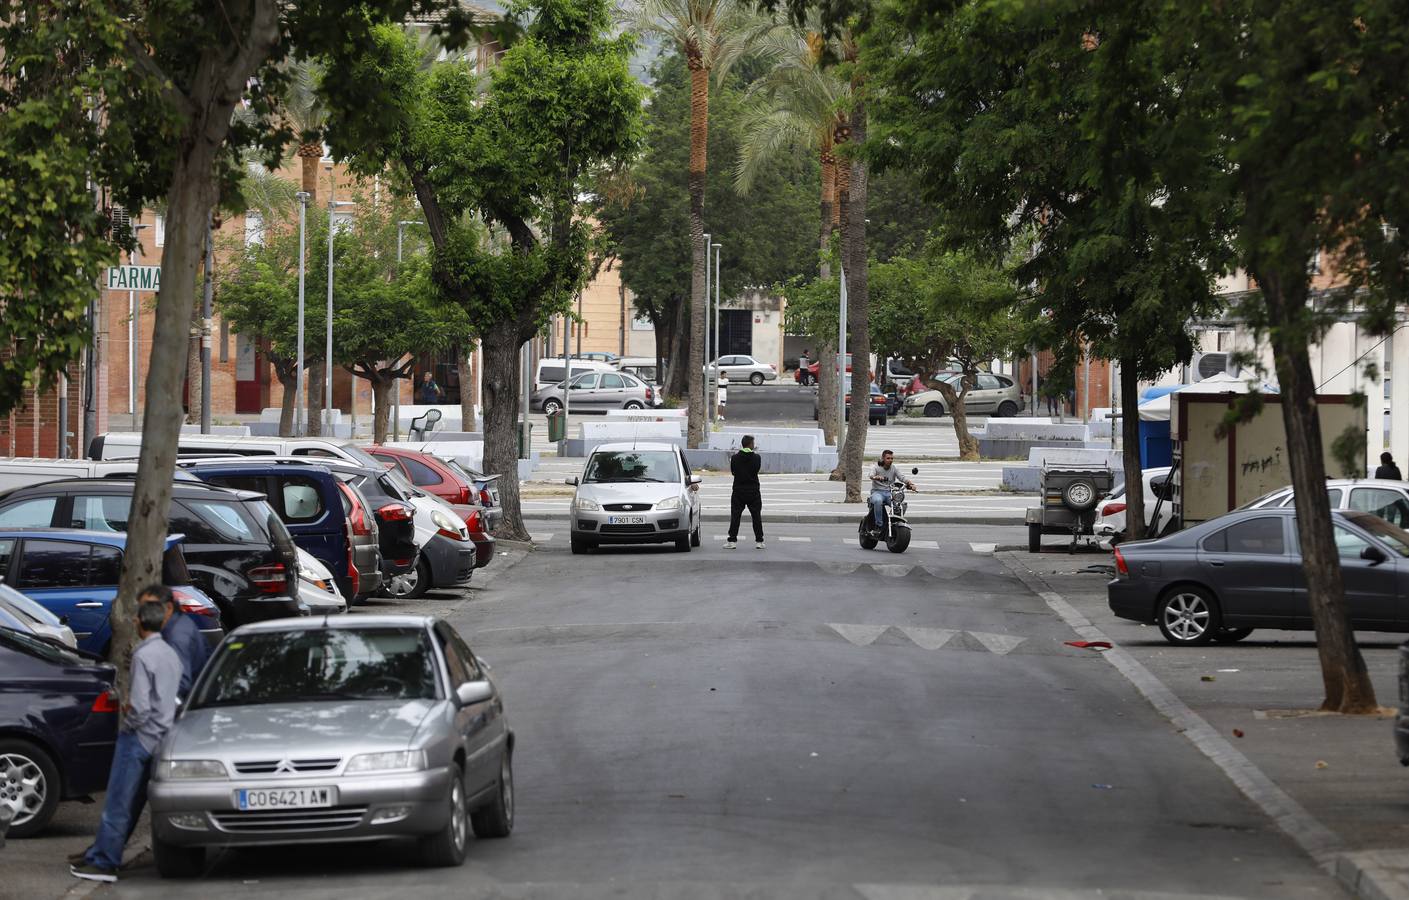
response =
{"points": [[23, 471], [551, 371], [128, 445]]}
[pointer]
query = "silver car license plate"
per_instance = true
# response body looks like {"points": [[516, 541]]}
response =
{"points": [[626, 520], [286, 798]]}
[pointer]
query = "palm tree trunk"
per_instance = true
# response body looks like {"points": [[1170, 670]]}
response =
{"points": [[699, 136], [858, 312], [827, 345], [309, 155]]}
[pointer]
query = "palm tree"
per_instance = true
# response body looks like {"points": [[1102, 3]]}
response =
{"points": [[800, 102], [711, 35]]}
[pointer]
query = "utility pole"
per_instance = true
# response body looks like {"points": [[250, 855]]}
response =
{"points": [[708, 319], [300, 425], [841, 367], [206, 313], [328, 350], [717, 251]]}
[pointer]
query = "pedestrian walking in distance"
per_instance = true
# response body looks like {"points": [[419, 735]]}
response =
{"points": [[147, 717], [745, 465], [429, 393], [1387, 468]]}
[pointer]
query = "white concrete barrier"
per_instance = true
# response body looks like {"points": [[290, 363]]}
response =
{"points": [[775, 442], [607, 432]]}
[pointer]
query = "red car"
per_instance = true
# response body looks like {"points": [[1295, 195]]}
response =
{"points": [[448, 482], [809, 375]]}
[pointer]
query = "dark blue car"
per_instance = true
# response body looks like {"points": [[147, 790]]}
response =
{"points": [[74, 575], [58, 725]]}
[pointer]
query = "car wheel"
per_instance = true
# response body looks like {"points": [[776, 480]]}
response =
{"points": [[174, 861], [29, 785], [756, 379], [682, 544], [1007, 409], [934, 409], [447, 846], [1231, 635], [551, 406], [496, 818], [1080, 495], [883, 421], [1034, 538], [695, 537], [412, 584], [580, 545], [634, 404], [1188, 615]]}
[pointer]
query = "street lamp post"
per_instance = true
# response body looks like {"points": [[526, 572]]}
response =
{"points": [[841, 366], [396, 402], [707, 319], [134, 330], [299, 406], [206, 313], [717, 250], [328, 349]]}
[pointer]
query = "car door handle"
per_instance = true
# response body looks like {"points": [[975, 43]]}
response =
{"points": [[1215, 562], [88, 604]]}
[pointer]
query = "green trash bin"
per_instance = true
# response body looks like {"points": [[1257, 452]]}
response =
{"points": [[557, 426]]}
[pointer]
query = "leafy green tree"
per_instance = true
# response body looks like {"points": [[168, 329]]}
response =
{"points": [[497, 165], [711, 35]]}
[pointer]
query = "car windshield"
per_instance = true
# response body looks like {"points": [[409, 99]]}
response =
{"points": [[1396, 538], [1260, 501], [364, 458], [632, 465], [461, 471], [40, 648], [27, 608], [320, 664]]}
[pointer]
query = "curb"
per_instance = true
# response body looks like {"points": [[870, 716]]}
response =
{"points": [[1374, 874], [821, 518]]}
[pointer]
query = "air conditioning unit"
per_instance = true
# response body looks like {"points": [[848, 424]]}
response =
{"points": [[1206, 365]]}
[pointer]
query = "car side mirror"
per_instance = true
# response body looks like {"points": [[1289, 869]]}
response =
{"points": [[472, 692], [572, 481], [1374, 554], [695, 479]]}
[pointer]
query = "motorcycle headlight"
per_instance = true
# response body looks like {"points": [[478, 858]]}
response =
{"points": [[173, 769], [385, 762], [669, 503], [586, 504]]}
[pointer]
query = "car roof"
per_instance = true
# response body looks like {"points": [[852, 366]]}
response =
{"points": [[107, 538], [327, 464], [627, 446], [314, 622], [72, 485]]}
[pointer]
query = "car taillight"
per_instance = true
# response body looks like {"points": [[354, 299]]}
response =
{"points": [[474, 522], [105, 702], [188, 603], [354, 576], [357, 518], [484, 498], [1120, 566], [650, 394], [394, 512], [1113, 508], [773, 367], [465, 497], [271, 579]]}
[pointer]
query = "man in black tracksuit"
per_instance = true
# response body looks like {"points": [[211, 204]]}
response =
{"points": [[745, 465]]}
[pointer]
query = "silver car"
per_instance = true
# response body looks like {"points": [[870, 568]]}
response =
{"points": [[636, 493], [355, 728], [996, 395], [596, 392], [1387, 499], [740, 368]]}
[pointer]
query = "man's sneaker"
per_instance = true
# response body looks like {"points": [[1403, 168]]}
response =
{"points": [[759, 545], [730, 545], [79, 858], [90, 872]]}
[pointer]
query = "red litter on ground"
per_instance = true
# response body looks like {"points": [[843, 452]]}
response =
{"points": [[1089, 645]]}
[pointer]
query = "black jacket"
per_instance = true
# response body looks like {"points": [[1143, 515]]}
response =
{"points": [[745, 465], [1389, 471]]}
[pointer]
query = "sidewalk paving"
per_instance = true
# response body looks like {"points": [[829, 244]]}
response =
{"points": [[1344, 796]]}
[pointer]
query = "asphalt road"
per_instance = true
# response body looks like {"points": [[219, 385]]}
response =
{"points": [[811, 720], [778, 404]]}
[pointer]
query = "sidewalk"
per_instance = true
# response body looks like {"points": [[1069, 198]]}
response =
{"points": [[950, 492], [1332, 782]]}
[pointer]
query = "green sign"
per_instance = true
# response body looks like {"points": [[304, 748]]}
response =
{"points": [[134, 278]]}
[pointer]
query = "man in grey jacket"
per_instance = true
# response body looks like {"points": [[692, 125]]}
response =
{"points": [[147, 717]]}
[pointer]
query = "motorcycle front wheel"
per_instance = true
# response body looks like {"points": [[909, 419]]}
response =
{"points": [[866, 537], [898, 541]]}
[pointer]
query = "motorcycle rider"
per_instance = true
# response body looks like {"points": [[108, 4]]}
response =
{"points": [[883, 475]]}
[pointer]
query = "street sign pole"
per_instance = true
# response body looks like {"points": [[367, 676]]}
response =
{"points": [[300, 407], [718, 370], [205, 324], [705, 354], [841, 367]]}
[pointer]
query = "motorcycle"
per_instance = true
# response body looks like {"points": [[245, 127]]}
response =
{"points": [[896, 531]]}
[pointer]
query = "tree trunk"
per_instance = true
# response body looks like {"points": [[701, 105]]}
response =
{"points": [[466, 366], [217, 87], [314, 414], [968, 445], [308, 157], [679, 388], [501, 412], [1130, 449], [827, 389], [193, 366], [853, 216], [382, 385], [699, 253], [288, 379], [826, 346], [1347, 683]]}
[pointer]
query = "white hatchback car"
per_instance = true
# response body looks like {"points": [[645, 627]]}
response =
{"points": [[636, 493], [1387, 499], [1110, 513]]}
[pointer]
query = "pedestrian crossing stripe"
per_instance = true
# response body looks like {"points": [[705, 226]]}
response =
{"points": [[796, 539], [542, 538], [929, 638]]}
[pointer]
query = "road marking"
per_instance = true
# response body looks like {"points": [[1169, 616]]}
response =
{"points": [[795, 539], [543, 538], [1001, 644], [1318, 841], [928, 638], [982, 548], [925, 545], [860, 635]]}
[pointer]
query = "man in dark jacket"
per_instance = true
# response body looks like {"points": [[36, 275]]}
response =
{"points": [[182, 633], [1387, 468], [745, 465]]}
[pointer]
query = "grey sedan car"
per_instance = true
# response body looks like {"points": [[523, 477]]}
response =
{"points": [[1222, 578], [636, 493], [330, 730], [596, 392]]}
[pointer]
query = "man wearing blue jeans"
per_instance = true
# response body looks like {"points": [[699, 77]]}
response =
{"points": [[147, 717], [882, 476]]}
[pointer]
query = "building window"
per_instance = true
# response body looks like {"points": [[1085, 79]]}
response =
{"points": [[254, 229], [159, 233]]}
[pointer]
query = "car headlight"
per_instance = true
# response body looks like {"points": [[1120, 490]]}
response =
{"points": [[385, 762], [585, 504], [172, 769], [669, 503]]}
